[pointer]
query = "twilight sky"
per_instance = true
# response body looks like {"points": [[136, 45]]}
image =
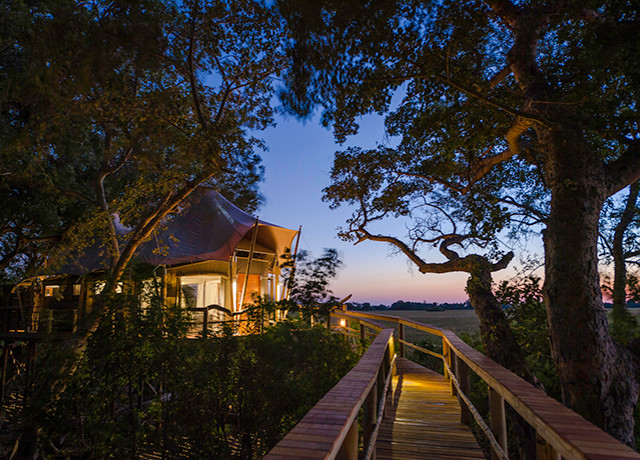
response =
{"points": [[297, 166]]}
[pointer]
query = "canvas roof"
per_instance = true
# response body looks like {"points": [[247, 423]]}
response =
{"points": [[207, 227]]}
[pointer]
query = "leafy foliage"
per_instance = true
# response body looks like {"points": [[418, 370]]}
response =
{"points": [[124, 108], [528, 320], [510, 113], [309, 279], [142, 388]]}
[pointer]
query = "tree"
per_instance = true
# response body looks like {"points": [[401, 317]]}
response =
{"points": [[485, 85], [308, 280], [379, 188], [127, 111], [115, 112], [618, 236]]}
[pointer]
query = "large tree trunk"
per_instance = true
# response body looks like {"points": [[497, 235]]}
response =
{"points": [[622, 322], [497, 338], [500, 345], [598, 376]]}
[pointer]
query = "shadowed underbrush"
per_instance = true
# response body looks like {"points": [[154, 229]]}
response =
{"points": [[143, 389]]}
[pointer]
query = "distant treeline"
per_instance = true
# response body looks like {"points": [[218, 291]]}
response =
{"points": [[629, 305], [433, 306], [402, 305]]}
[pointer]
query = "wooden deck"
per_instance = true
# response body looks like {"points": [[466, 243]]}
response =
{"points": [[422, 419]]}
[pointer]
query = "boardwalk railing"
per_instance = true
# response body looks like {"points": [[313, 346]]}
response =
{"points": [[560, 431], [330, 429]]}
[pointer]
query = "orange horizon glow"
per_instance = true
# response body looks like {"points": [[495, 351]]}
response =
{"points": [[400, 285]]}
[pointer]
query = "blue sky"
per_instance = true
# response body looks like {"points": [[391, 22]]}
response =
{"points": [[297, 166]]}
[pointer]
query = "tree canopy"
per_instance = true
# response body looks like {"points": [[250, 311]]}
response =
{"points": [[124, 108], [507, 109]]}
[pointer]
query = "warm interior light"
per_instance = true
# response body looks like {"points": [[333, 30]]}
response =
{"points": [[343, 323]]}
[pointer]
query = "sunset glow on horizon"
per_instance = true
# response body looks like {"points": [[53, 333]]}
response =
{"points": [[297, 168]]}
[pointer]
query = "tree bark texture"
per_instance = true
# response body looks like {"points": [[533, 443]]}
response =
{"points": [[598, 376], [500, 345]]}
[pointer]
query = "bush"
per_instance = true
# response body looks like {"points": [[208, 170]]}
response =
{"points": [[143, 389]]}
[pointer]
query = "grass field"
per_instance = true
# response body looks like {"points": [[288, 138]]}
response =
{"points": [[455, 320]]}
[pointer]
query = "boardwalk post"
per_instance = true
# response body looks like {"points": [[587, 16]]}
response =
{"points": [[498, 420], [446, 353], [370, 415], [363, 332], [544, 451], [401, 335], [390, 354], [205, 322], [349, 449], [454, 370], [465, 386]]}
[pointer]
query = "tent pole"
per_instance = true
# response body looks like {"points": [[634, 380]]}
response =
{"points": [[293, 266], [230, 300], [254, 237]]}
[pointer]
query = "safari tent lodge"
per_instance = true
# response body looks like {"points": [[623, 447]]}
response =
{"points": [[211, 256]]}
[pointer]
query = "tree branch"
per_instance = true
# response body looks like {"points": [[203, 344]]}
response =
{"points": [[506, 10], [517, 113], [192, 76], [144, 230], [454, 239], [623, 171], [498, 77], [365, 235], [542, 217], [503, 262]]}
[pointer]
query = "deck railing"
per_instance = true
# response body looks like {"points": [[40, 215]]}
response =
{"points": [[14, 319], [560, 432], [331, 427]]}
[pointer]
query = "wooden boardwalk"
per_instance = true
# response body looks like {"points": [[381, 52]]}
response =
{"points": [[422, 419]]}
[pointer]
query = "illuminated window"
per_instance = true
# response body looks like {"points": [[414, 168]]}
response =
{"points": [[52, 291], [98, 287], [201, 291]]}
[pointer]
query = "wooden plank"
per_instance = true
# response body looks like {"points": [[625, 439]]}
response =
{"points": [[423, 419], [556, 424]]}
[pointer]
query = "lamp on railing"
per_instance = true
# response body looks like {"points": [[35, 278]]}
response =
{"points": [[343, 323]]}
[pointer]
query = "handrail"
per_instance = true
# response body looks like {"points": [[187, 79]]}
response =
{"points": [[330, 429], [564, 431]]}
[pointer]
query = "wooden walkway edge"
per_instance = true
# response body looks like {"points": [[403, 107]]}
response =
{"points": [[422, 419]]}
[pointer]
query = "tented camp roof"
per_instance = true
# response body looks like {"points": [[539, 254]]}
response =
{"points": [[207, 227]]}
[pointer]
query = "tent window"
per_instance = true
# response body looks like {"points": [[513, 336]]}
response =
{"points": [[147, 292], [76, 289], [201, 291], [52, 291], [241, 254], [98, 287]]}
